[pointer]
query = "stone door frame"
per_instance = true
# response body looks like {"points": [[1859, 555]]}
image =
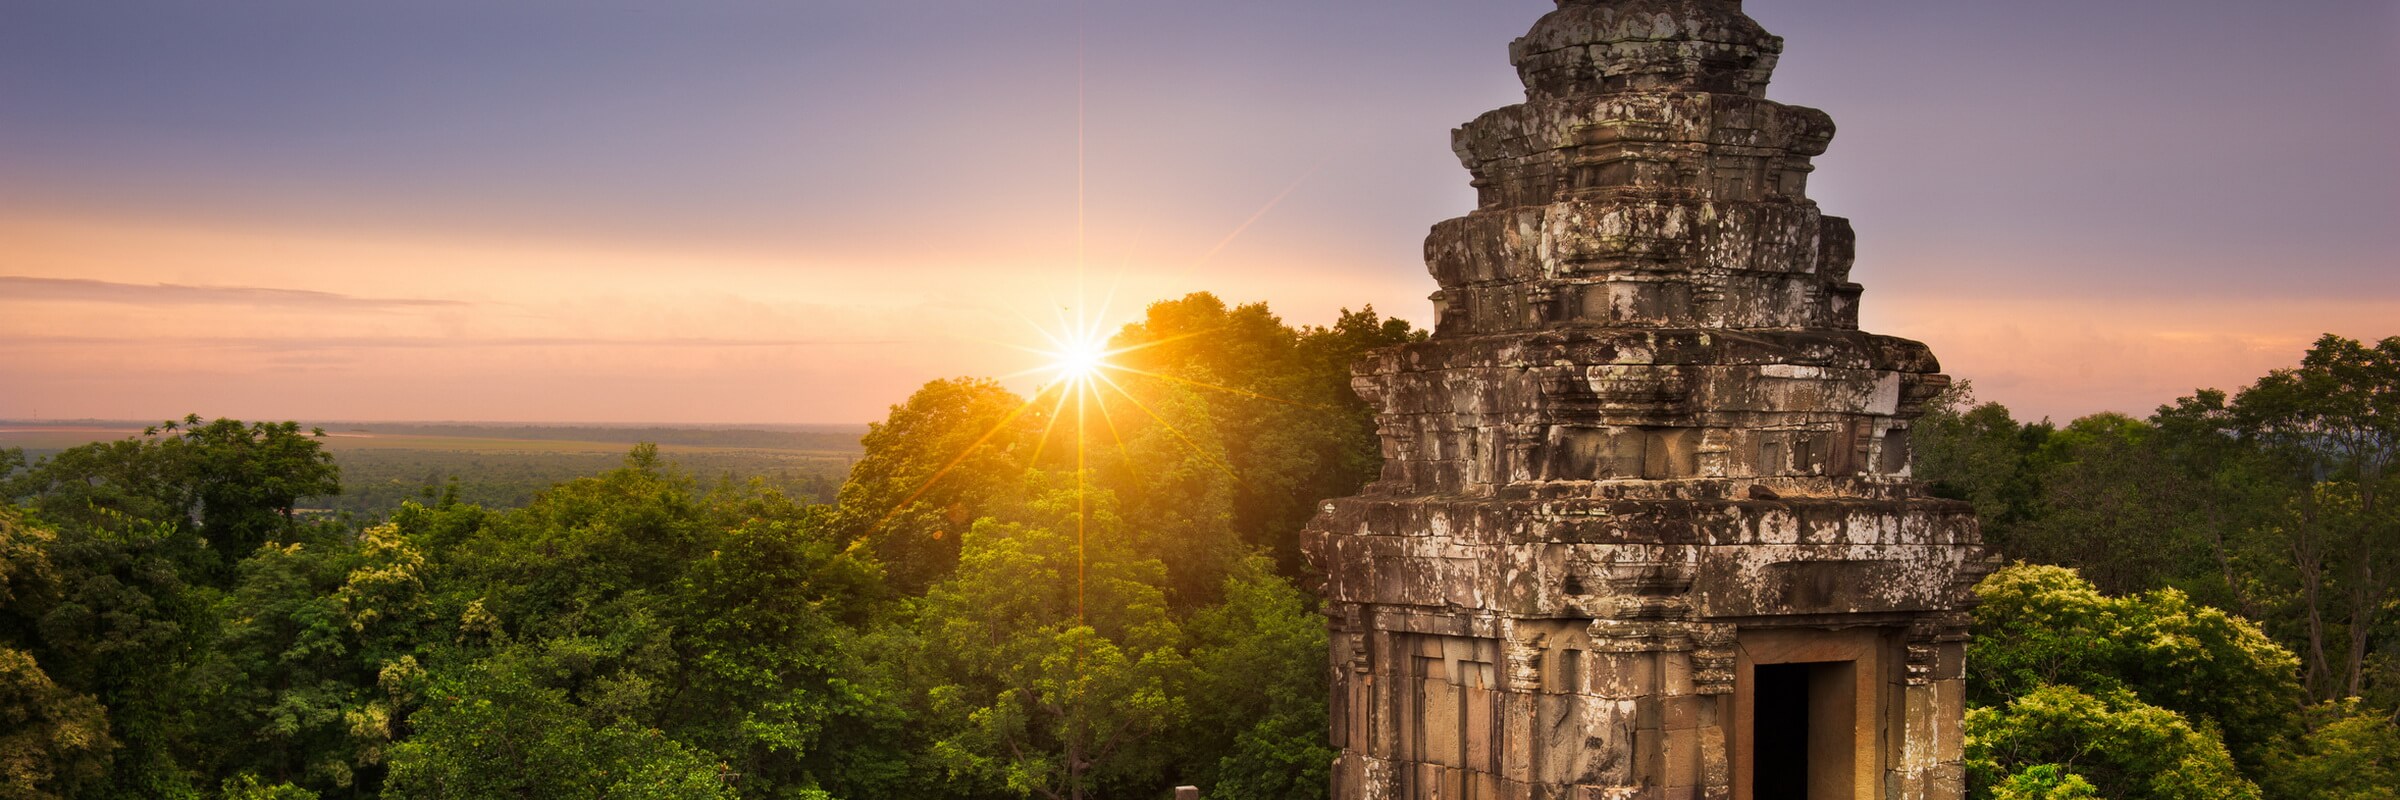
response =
{"points": [[1876, 656]]}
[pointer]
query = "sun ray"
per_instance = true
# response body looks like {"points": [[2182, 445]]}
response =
{"points": [[1110, 420], [1178, 432], [1060, 344], [963, 453], [1094, 321], [1082, 481], [1204, 385], [1069, 332], [1043, 443], [1254, 218]]}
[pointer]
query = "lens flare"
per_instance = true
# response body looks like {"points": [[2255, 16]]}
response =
{"points": [[1078, 362]]}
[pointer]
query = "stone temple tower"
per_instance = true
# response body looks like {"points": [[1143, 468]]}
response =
{"points": [[1645, 527]]}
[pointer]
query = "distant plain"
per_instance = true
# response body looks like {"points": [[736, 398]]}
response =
{"points": [[505, 465]]}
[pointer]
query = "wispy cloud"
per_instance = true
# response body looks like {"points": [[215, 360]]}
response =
{"points": [[20, 287]]}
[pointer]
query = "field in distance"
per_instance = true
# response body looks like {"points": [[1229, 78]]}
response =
{"points": [[506, 464]]}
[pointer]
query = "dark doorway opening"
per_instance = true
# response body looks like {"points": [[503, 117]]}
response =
{"points": [[1779, 733], [1803, 734]]}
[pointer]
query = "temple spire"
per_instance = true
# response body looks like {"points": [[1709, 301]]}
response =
{"points": [[1645, 526]]}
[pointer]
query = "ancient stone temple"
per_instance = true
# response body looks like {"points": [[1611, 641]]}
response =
{"points": [[1645, 527]]}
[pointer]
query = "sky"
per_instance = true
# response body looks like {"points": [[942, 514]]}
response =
{"points": [[799, 211]]}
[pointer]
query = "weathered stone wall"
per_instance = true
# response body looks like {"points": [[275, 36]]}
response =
{"points": [[1646, 453]]}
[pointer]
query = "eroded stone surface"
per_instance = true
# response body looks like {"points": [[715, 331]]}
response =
{"points": [[1645, 453]]}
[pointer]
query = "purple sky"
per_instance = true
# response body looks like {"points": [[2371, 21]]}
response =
{"points": [[799, 211]]}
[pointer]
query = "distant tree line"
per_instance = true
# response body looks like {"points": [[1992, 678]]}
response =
{"points": [[826, 438], [376, 481]]}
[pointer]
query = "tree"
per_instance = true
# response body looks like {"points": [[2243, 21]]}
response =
{"points": [[2236, 493], [2351, 752], [511, 726], [2044, 782], [1042, 688], [589, 554], [1167, 468], [930, 469], [104, 611], [28, 581], [2339, 554], [636, 604], [2040, 626], [1964, 450], [312, 637], [2125, 749], [2271, 501], [2336, 420], [231, 485], [2110, 506], [765, 648], [1259, 660], [1293, 430], [248, 479], [559, 650], [53, 742], [248, 787]]}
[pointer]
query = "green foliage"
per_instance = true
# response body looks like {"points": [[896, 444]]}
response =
{"points": [[1292, 430], [2105, 499], [1259, 660], [545, 720], [1976, 452], [2124, 748], [651, 620], [1213, 443], [2104, 675], [1176, 490], [2044, 782], [2041, 626], [233, 486], [52, 741], [2338, 412], [2350, 753], [104, 610], [1055, 663], [248, 787], [27, 578], [2334, 422], [941, 461], [589, 553], [311, 632], [246, 480], [766, 622]]}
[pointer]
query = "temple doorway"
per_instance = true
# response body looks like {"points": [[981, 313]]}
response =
{"points": [[1803, 727], [1809, 713]]}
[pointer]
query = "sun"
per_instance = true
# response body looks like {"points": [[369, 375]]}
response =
{"points": [[1083, 383], [1075, 356], [1077, 360]]}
